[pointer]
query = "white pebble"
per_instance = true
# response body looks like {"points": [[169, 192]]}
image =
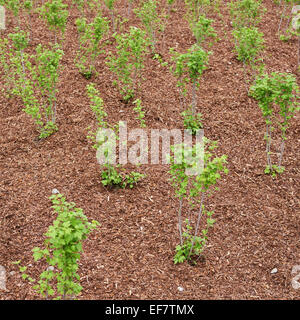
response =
{"points": [[274, 271]]}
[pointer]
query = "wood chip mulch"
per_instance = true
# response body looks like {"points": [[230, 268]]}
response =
{"points": [[130, 256]]}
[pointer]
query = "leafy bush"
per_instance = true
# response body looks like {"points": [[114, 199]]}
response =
{"points": [[151, 20], [33, 78], [90, 36], [55, 13], [128, 61], [191, 187], [112, 175], [249, 43], [188, 68], [202, 29], [13, 61], [62, 251], [246, 13], [276, 89], [44, 74]]}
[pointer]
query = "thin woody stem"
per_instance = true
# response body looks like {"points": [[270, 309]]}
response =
{"points": [[198, 222]]}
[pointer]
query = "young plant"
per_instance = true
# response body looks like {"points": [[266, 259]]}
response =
{"points": [[278, 89], [35, 83], [110, 6], [192, 184], [128, 61], [79, 4], [13, 60], [202, 30], [287, 4], [140, 113], [55, 13], [28, 6], [249, 43], [195, 8], [292, 27], [83, 5], [63, 246], [90, 37], [112, 175], [151, 20], [188, 68], [46, 74], [246, 13]]}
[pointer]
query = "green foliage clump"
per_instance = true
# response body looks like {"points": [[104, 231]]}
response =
{"points": [[42, 87], [249, 43], [140, 113], [188, 68], [63, 246], [192, 183], [191, 122], [33, 78], [277, 89], [55, 13], [202, 29], [151, 20], [112, 174], [128, 61], [90, 37], [246, 13]]}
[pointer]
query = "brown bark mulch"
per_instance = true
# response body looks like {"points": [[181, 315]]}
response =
{"points": [[130, 256]]}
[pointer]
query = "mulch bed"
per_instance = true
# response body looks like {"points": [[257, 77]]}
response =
{"points": [[130, 256]]}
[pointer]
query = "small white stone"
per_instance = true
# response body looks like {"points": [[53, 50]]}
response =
{"points": [[12, 273], [180, 289], [274, 271], [55, 191], [50, 268]]}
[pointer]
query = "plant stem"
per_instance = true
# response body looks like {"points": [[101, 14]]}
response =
{"points": [[298, 50], [268, 149], [113, 20], [245, 77], [288, 22], [282, 144], [282, 15], [194, 98], [129, 9], [180, 220], [281, 152], [198, 222]]}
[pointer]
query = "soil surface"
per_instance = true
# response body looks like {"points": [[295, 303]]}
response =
{"points": [[130, 256]]}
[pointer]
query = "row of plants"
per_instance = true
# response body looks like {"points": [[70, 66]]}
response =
{"points": [[276, 93]]}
